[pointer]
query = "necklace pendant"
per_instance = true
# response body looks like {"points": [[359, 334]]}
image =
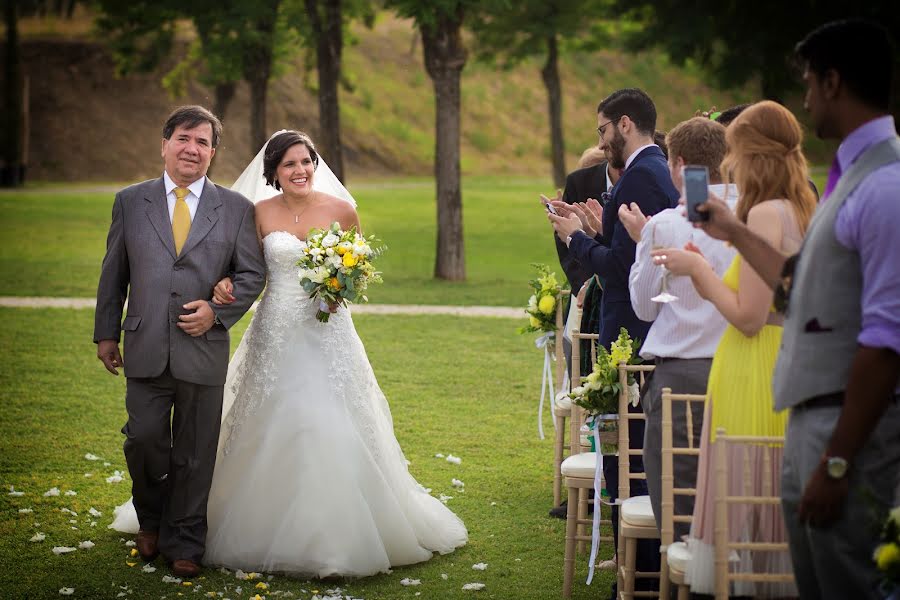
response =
{"points": [[296, 219]]}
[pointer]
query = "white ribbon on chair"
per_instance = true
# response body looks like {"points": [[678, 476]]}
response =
{"points": [[545, 342], [595, 527]]}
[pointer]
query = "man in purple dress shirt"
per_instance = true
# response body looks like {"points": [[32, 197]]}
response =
{"points": [[839, 363]]}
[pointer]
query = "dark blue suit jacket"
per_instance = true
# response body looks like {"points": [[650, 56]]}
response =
{"points": [[647, 182]]}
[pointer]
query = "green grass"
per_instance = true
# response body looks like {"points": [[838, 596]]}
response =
{"points": [[456, 385], [52, 244]]}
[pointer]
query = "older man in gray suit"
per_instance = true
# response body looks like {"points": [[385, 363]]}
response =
{"points": [[170, 241]]}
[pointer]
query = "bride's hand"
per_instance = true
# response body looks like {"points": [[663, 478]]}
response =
{"points": [[222, 292]]}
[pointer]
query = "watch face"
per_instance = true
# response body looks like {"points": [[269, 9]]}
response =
{"points": [[836, 467]]}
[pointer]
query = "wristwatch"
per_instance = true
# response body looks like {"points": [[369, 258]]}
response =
{"points": [[835, 466]]}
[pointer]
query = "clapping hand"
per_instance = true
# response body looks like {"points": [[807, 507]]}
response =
{"points": [[223, 292], [565, 226], [591, 215], [633, 220]]}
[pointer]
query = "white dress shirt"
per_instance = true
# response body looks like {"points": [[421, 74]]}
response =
{"points": [[192, 199], [689, 327]]}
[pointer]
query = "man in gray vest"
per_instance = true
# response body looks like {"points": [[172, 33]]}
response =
{"points": [[171, 239], [839, 363]]}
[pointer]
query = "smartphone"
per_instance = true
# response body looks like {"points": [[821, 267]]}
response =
{"points": [[551, 210], [695, 191]]}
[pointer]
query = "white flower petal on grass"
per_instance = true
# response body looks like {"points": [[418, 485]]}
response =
{"points": [[88, 474], [62, 550], [170, 579], [68, 511], [116, 477], [130, 544], [71, 493], [457, 483], [439, 455], [72, 521], [86, 545], [93, 523], [25, 511], [66, 591], [148, 568], [444, 498], [90, 456], [54, 491], [38, 537], [408, 581], [473, 587], [479, 566], [453, 459], [493, 504], [13, 492], [106, 464], [444, 576], [94, 512]]}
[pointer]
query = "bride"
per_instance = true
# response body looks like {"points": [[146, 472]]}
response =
{"points": [[309, 477]]}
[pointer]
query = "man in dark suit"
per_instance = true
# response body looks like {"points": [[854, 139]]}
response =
{"points": [[626, 124], [171, 239]]}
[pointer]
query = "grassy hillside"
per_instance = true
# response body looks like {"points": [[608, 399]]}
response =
{"points": [[88, 125]]}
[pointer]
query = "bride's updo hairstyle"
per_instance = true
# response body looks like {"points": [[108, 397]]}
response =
{"points": [[275, 149], [764, 159]]}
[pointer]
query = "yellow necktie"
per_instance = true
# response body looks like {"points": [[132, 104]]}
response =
{"points": [[181, 219]]}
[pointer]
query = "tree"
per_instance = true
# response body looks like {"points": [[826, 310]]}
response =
{"points": [[13, 160], [513, 32], [323, 28], [440, 25], [737, 41]]}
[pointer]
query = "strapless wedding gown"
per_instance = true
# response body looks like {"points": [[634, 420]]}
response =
{"points": [[309, 478]]}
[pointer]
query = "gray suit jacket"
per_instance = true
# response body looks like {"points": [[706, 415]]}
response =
{"points": [[140, 263]]}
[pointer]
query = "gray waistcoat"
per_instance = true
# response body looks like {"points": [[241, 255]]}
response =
{"points": [[824, 317]]}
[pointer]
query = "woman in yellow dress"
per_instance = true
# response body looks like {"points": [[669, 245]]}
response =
{"points": [[765, 161]]}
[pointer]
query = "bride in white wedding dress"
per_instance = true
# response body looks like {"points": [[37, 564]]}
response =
{"points": [[309, 478]]}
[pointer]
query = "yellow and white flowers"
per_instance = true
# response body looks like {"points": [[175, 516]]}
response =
{"points": [[887, 554], [336, 267], [599, 392]]}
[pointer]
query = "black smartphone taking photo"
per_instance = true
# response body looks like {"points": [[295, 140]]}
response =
{"points": [[551, 210], [696, 190]]}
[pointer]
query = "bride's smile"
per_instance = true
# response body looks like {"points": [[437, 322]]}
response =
{"points": [[296, 170]]}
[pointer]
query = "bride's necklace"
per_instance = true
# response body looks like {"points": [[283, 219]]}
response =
{"points": [[296, 215]]}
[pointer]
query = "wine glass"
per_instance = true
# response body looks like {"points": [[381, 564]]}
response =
{"points": [[663, 297]]}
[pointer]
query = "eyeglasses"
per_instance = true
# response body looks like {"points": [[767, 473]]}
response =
{"points": [[602, 128]]}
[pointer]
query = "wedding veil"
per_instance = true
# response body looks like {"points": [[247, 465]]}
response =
{"points": [[252, 184]]}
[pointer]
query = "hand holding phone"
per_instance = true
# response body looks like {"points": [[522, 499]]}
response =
{"points": [[550, 209], [695, 191]]}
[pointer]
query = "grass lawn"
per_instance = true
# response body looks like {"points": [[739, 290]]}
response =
{"points": [[52, 244], [466, 386]]}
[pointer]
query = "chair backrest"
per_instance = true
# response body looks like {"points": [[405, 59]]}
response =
{"points": [[576, 420], [670, 450], [625, 452], [733, 460], [559, 349]]}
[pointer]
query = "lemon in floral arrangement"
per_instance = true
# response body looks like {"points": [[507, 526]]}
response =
{"points": [[541, 307]]}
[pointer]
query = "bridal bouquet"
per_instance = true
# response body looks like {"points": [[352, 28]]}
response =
{"points": [[887, 554], [541, 307], [599, 392], [336, 267]]}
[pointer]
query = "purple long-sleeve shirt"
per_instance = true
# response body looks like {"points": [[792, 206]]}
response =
{"points": [[869, 223]]}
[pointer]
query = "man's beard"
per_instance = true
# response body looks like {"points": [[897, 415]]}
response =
{"points": [[615, 151]]}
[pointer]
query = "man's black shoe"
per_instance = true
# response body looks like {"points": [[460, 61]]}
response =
{"points": [[560, 512]]}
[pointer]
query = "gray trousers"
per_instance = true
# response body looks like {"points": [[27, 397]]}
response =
{"points": [[835, 563], [171, 456], [683, 376]]}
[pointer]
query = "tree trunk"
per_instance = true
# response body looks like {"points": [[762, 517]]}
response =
{"points": [[257, 69], [12, 161], [329, 36], [224, 94], [445, 57], [550, 75]]}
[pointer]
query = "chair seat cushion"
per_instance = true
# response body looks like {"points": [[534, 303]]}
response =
{"points": [[580, 465], [637, 511], [678, 556]]}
